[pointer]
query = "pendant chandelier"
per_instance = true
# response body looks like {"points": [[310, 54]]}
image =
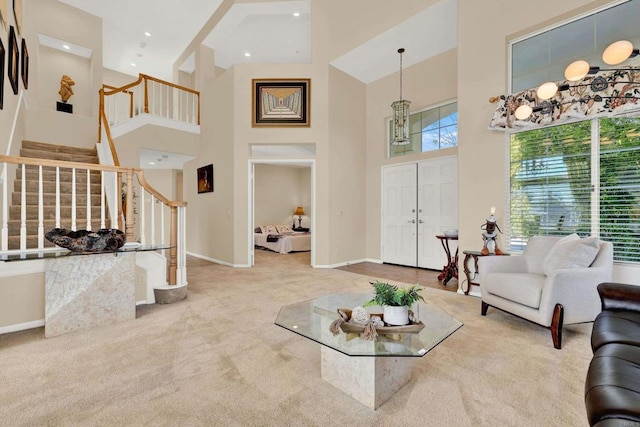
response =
{"points": [[400, 115]]}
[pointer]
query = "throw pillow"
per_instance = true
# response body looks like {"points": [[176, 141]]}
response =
{"points": [[267, 229], [283, 228], [570, 252]]}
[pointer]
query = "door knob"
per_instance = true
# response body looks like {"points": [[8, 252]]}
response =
{"points": [[413, 221], [420, 221]]}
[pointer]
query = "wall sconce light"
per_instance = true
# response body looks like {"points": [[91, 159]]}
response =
{"points": [[299, 211], [401, 115]]}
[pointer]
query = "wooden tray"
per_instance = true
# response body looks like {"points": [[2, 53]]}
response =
{"points": [[411, 328]]}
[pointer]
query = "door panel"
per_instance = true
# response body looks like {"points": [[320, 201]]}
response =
{"points": [[437, 209], [399, 215]]}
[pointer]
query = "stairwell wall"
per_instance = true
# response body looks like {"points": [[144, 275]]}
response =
{"points": [[47, 65]]}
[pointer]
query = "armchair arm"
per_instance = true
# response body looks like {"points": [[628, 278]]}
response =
{"points": [[502, 264], [575, 289], [619, 296]]}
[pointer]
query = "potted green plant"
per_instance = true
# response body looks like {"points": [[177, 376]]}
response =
{"points": [[395, 301]]}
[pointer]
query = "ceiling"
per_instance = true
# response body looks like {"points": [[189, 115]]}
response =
{"points": [[268, 31]]}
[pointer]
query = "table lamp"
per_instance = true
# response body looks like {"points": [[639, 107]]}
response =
{"points": [[299, 211]]}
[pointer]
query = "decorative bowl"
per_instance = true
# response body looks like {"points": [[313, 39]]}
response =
{"points": [[452, 232]]}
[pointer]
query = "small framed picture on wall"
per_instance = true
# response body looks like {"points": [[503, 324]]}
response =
{"points": [[24, 64], [205, 179], [2, 54], [14, 57]]}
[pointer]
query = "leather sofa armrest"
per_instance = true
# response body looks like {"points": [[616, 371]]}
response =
{"points": [[619, 296]]}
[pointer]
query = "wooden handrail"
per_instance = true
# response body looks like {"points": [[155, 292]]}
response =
{"points": [[112, 145], [164, 82]]}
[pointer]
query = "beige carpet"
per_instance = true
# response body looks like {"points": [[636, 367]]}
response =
{"points": [[217, 359]]}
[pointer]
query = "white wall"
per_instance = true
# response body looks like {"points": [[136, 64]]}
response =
{"points": [[278, 191]]}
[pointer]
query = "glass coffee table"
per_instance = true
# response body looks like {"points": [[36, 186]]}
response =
{"points": [[370, 371]]}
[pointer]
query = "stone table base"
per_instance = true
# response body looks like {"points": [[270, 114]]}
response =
{"points": [[83, 291], [369, 380]]}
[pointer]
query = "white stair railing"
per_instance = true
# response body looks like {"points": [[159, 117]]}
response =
{"points": [[24, 235]]}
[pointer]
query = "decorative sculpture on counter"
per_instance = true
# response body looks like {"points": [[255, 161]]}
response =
{"points": [[65, 88], [103, 240], [490, 235]]}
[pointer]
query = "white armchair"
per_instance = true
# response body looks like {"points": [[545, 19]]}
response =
{"points": [[553, 283]]}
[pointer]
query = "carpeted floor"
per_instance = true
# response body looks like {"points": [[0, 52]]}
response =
{"points": [[217, 359]]}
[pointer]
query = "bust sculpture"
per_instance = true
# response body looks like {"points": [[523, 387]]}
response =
{"points": [[65, 88]]}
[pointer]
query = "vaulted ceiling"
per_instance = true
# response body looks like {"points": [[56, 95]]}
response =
{"points": [[153, 34]]}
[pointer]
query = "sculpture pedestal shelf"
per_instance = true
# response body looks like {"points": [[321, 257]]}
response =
{"points": [[64, 107], [82, 292]]}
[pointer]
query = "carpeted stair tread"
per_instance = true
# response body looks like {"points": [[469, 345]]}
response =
{"points": [[51, 155], [56, 148]]}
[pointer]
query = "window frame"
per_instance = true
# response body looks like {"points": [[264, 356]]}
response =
{"points": [[411, 113]]}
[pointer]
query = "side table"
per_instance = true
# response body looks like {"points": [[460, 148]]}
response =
{"points": [[468, 255], [451, 268]]}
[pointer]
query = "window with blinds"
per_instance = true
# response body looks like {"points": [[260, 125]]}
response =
{"points": [[552, 178], [620, 186], [550, 182]]}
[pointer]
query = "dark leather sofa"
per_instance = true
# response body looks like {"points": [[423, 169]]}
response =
{"points": [[612, 387]]}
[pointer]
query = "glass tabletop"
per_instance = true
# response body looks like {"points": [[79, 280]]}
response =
{"points": [[312, 320]]}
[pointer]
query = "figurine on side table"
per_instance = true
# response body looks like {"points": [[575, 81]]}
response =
{"points": [[490, 235]]}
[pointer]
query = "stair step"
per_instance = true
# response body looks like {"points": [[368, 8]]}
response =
{"points": [[32, 242], [50, 186], [32, 225], [49, 212], [52, 155], [49, 173], [50, 199], [56, 148]]}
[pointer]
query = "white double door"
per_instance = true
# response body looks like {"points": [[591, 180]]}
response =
{"points": [[419, 201]]}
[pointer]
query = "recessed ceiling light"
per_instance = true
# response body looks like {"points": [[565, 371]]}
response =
{"points": [[66, 46], [147, 33], [133, 64], [247, 54], [152, 163], [296, 14]]}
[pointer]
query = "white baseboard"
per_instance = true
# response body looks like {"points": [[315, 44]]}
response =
{"points": [[342, 264], [22, 326], [217, 261]]}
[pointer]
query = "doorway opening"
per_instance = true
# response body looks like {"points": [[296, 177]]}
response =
{"points": [[277, 187]]}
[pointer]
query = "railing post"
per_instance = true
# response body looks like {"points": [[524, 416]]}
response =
{"points": [[146, 96], [130, 104], [173, 250], [101, 92], [129, 207]]}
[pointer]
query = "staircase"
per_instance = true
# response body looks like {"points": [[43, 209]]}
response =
{"points": [[53, 152]]}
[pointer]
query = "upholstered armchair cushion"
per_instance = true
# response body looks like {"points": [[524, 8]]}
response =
{"points": [[572, 253], [527, 292]]}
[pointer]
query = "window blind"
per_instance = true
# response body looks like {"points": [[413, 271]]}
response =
{"points": [[620, 186], [550, 182]]}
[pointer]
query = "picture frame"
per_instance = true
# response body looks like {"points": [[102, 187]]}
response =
{"points": [[24, 64], [205, 179], [14, 57], [2, 55], [281, 102]]}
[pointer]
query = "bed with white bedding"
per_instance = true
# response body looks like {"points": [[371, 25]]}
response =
{"points": [[286, 240]]}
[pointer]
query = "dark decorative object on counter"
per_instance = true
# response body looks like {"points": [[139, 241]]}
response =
{"points": [[105, 239]]}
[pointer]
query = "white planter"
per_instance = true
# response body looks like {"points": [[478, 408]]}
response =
{"points": [[394, 315]]}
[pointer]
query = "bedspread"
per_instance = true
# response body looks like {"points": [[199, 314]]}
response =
{"points": [[287, 242]]}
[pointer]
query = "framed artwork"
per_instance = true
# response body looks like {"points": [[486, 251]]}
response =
{"points": [[281, 102], [2, 54], [24, 64], [12, 73], [205, 179]]}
